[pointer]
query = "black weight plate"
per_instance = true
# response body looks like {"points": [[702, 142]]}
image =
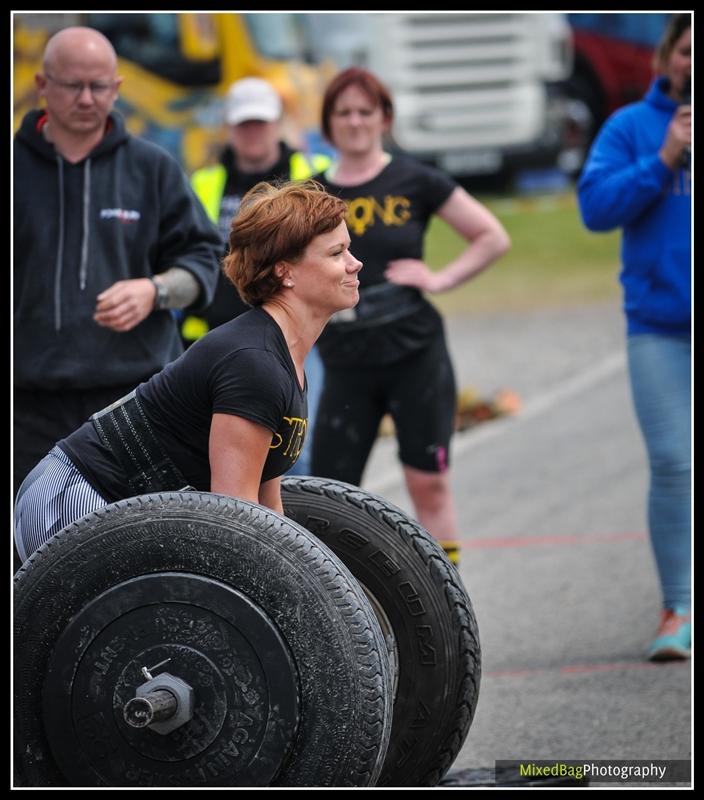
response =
{"points": [[210, 636]]}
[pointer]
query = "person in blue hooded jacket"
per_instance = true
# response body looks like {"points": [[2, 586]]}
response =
{"points": [[638, 178]]}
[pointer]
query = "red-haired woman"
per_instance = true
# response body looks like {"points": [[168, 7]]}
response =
{"points": [[389, 355]]}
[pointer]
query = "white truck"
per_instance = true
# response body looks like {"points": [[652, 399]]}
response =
{"points": [[475, 93]]}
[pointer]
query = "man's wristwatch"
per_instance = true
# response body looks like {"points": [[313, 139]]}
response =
{"points": [[162, 296]]}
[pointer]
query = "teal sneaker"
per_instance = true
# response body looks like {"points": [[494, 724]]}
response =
{"points": [[674, 637]]}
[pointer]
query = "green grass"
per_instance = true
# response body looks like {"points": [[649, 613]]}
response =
{"points": [[553, 259]]}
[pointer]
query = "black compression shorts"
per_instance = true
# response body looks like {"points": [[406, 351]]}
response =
{"points": [[418, 392]]}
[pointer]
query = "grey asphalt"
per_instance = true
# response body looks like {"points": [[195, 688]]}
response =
{"points": [[555, 552]]}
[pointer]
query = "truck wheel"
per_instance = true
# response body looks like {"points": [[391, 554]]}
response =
{"points": [[583, 119], [192, 639], [424, 611]]}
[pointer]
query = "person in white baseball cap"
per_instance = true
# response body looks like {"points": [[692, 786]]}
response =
{"points": [[252, 99], [255, 152]]}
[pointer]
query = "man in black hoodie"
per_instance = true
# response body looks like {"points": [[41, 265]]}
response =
{"points": [[108, 237]]}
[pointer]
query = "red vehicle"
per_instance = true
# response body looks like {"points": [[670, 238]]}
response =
{"points": [[613, 65]]}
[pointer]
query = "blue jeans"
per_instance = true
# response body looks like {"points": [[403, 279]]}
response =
{"points": [[315, 374], [660, 370]]}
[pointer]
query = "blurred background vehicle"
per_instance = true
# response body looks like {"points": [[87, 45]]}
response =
{"points": [[178, 68], [476, 94], [613, 55]]}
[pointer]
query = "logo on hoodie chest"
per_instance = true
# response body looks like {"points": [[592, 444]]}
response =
{"points": [[124, 215]]}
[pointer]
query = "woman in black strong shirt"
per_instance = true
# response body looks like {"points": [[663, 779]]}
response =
{"points": [[230, 414], [389, 353]]}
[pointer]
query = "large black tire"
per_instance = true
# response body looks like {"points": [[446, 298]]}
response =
{"points": [[434, 638], [321, 613]]}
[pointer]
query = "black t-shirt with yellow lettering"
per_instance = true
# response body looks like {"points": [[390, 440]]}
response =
{"points": [[242, 368], [387, 219]]}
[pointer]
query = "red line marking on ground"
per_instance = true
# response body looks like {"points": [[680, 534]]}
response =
{"points": [[533, 541]]}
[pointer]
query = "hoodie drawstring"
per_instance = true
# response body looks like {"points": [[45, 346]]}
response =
{"points": [[83, 269]]}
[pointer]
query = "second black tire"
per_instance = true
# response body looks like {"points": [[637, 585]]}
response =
{"points": [[435, 641]]}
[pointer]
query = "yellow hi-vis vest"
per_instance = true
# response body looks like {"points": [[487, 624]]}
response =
{"points": [[209, 184]]}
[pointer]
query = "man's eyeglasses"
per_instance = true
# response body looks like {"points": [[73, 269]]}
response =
{"points": [[99, 89]]}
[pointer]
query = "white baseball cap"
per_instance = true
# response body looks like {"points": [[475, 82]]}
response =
{"points": [[252, 98]]}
